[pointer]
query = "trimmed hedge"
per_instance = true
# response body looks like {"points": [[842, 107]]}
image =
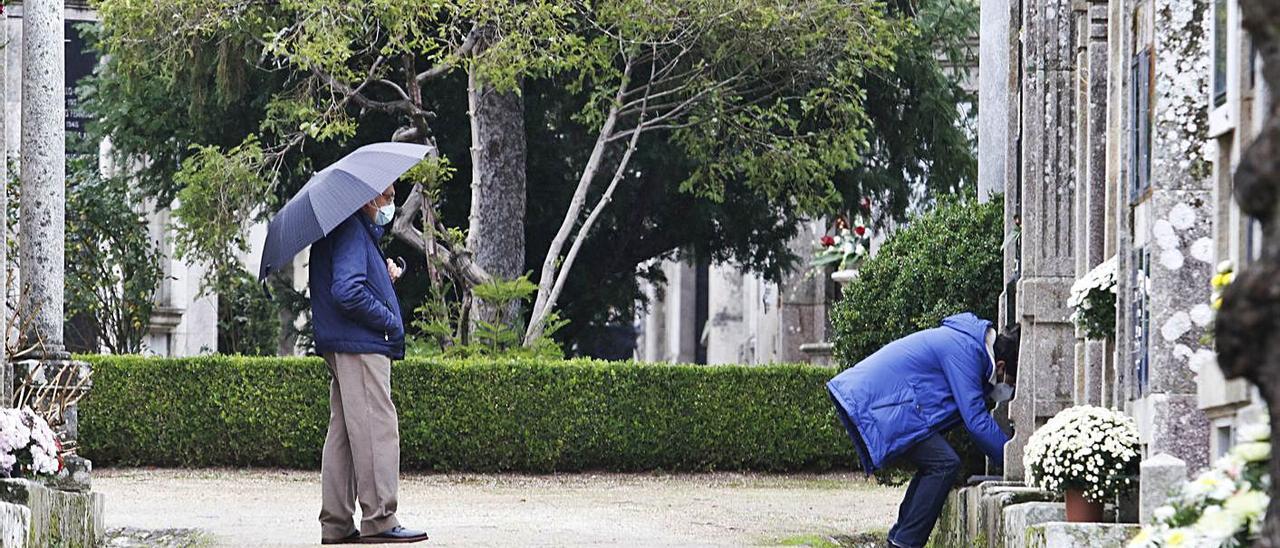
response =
{"points": [[470, 415]]}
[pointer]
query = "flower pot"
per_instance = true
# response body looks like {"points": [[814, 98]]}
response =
{"points": [[1080, 509]]}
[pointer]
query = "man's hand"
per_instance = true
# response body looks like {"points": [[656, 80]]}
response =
{"points": [[394, 270]]}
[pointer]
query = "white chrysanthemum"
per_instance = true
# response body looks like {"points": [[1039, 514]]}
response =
{"points": [[1143, 538], [1175, 538], [1254, 432], [1256, 451], [1218, 524], [1248, 504]]}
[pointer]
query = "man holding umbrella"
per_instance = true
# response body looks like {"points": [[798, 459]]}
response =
{"points": [[342, 213]]}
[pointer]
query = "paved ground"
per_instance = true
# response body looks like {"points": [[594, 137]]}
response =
{"points": [[278, 508]]}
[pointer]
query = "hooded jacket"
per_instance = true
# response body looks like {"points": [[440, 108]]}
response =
{"points": [[917, 386], [354, 308]]}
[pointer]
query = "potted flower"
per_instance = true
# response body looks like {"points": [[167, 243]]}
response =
{"points": [[1087, 453], [28, 446], [1093, 301], [1223, 506], [845, 249]]}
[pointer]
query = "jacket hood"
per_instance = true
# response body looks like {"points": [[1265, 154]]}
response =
{"points": [[972, 326]]}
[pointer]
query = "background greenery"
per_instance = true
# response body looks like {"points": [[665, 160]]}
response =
{"points": [[490, 415], [916, 148], [943, 262]]}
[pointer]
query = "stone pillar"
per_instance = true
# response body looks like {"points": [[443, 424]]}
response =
{"points": [[681, 294], [42, 238], [6, 371], [997, 80], [43, 173], [1091, 140], [1179, 230], [1048, 248], [802, 304], [726, 328], [1158, 476], [1119, 240]]}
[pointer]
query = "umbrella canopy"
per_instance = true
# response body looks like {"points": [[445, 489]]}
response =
{"points": [[331, 196]]}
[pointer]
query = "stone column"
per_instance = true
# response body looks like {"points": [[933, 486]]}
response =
{"points": [[802, 304], [1097, 354], [726, 326], [6, 371], [42, 222], [681, 307], [997, 80], [43, 173], [1048, 250], [1119, 239], [1179, 231], [1091, 141]]}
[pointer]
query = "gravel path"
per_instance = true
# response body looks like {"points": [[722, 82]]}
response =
{"points": [[279, 507]]}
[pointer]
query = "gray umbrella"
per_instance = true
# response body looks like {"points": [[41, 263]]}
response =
{"points": [[331, 196]]}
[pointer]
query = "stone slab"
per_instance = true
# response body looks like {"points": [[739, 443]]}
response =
{"points": [[1018, 518], [15, 520], [1080, 535], [1158, 476], [973, 516], [58, 518], [951, 530], [991, 514]]}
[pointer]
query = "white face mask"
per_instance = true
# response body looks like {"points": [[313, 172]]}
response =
{"points": [[1001, 392], [384, 215]]}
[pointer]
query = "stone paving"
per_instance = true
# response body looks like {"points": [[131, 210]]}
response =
{"points": [[279, 508]]}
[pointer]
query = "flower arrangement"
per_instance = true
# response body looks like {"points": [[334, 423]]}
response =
{"points": [[1086, 448], [846, 249], [1093, 301], [1221, 279], [1223, 506], [27, 444]]}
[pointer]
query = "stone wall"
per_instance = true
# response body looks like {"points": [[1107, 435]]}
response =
{"points": [[53, 518], [1011, 515]]}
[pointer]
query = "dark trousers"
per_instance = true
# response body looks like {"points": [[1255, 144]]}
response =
{"points": [[936, 467]]}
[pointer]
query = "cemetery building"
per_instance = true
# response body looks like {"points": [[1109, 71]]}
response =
{"points": [[1113, 128]]}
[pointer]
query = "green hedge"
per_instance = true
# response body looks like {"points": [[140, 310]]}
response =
{"points": [[476, 415]]}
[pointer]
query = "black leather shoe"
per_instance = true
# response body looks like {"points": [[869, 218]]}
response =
{"points": [[396, 534], [353, 538]]}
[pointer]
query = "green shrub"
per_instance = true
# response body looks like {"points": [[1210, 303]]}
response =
{"points": [[480, 415], [944, 262]]}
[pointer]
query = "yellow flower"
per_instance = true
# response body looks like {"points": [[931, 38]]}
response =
{"points": [[1141, 539], [1217, 303]]}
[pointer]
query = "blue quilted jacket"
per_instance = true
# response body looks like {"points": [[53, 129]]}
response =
{"points": [[353, 302], [919, 385]]}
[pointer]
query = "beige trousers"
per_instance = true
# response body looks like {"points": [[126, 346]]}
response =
{"points": [[361, 458]]}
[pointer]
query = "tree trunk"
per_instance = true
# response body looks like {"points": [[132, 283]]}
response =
{"points": [[1248, 326], [287, 342], [496, 233]]}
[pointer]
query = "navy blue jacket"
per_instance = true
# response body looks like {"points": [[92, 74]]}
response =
{"points": [[353, 303], [917, 386]]}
